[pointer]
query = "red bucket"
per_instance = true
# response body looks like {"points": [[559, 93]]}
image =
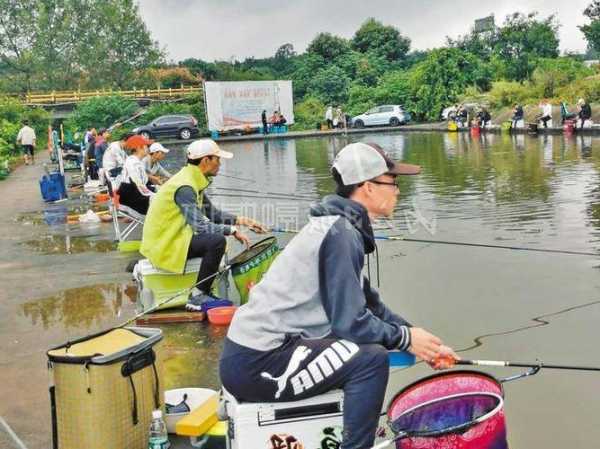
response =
{"points": [[569, 126], [489, 433]]}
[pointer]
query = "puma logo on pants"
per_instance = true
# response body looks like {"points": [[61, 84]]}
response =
{"points": [[323, 366], [299, 355]]}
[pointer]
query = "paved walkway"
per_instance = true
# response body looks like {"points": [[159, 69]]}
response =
{"points": [[28, 273]]}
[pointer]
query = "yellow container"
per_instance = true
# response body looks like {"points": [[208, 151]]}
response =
{"points": [[104, 388], [452, 126]]}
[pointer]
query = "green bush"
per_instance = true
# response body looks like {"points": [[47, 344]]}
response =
{"points": [[101, 112], [8, 136], [308, 113], [12, 115], [507, 93], [330, 85], [360, 99], [588, 88], [551, 74]]}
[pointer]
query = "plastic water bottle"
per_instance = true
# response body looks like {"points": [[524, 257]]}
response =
{"points": [[159, 438]]}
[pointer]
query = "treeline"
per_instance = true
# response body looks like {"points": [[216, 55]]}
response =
{"points": [[88, 44], [516, 61]]}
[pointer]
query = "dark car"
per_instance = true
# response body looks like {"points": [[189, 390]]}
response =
{"points": [[180, 126]]}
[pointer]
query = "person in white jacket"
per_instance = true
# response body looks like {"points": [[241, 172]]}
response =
{"points": [[546, 116], [26, 138], [329, 117], [134, 191]]}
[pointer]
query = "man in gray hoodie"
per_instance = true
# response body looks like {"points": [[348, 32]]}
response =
{"points": [[314, 323]]}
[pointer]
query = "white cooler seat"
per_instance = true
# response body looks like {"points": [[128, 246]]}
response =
{"points": [[256, 424]]}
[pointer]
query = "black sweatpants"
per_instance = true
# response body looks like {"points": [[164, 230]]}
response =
{"points": [[130, 196], [303, 368], [211, 248], [545, 119]]}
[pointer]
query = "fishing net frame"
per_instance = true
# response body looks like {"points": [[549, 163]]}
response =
{"points": [[458, 401]]}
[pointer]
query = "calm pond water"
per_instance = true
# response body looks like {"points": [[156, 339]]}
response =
{"points": [[537, 192], [488, 303]]}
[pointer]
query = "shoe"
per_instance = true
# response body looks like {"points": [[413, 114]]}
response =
{"points": [[202, 302], [195, 301]]}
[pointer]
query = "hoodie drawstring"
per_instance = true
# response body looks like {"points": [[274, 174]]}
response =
{"points": [[377, 260]]}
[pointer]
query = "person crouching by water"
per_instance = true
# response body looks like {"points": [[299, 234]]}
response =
{"points": [[157, 174], [517, 116], [134, 191], [182, 223], [314, 323], [546, 116], [585, 112], [484, 118]]}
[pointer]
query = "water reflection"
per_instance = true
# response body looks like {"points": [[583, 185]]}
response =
{"points": [[487, 187], [81, 308], [192, 353], [66, 244]]}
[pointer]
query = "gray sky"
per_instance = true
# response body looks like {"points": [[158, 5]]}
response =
{"points": [[220, 29]]}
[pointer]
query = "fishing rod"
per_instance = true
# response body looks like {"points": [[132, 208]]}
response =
{"points": [[291, 195], [231, 195], [484, 245], [538, 364], [133, 117], [236, 177]]}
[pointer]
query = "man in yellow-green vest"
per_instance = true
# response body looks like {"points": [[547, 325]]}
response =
{"points": [[182, 223]]}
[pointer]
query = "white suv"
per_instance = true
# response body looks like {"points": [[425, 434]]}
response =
{"points": [[392, 115]]}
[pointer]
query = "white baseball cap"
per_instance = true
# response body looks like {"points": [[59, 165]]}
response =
{"points": [[360, 162], [158, 147], [206, 147]]}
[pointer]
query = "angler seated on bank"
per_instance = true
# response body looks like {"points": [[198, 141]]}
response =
{"points": [[182, 223]]}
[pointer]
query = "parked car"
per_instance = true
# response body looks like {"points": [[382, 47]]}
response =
{"points": [[392, 115], [180, 126]]}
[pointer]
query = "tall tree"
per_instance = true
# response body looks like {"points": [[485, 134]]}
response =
{"points": [[380, 39], [57, 44], [328, 46], [523, 39], [17, 20], [444, 75], [285, 51], [591, 31], [124, 43]]}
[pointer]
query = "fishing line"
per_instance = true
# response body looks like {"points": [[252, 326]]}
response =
{"points": [[484, 245], [476, 245]]}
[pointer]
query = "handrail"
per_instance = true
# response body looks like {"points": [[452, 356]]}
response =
{"points": [[78, 95]]}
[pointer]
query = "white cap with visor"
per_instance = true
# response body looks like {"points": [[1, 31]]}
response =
{"points": [[359, 162]]}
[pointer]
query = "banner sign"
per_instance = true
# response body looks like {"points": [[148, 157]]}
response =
{"points": [[239, 104]]}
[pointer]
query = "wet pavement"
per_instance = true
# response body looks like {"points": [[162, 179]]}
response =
{"points": [[63, 281]]}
